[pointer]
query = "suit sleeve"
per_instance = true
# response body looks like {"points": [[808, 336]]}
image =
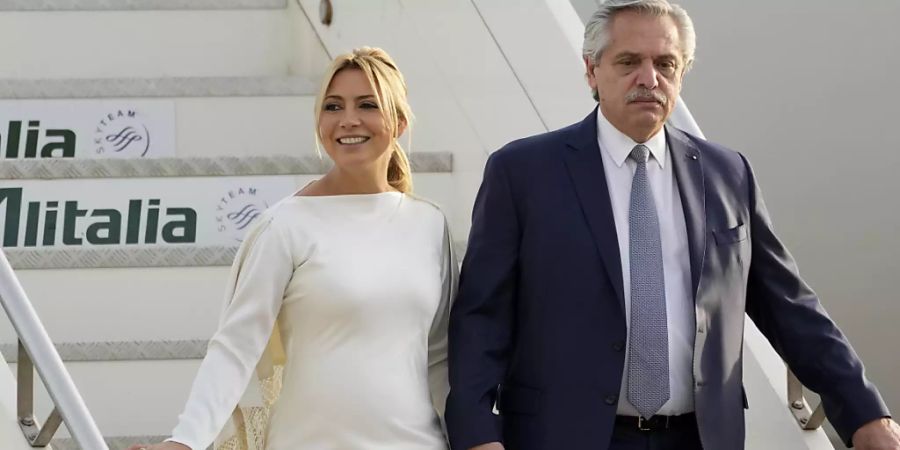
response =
{"points": [[482, 318], [789, 314]]}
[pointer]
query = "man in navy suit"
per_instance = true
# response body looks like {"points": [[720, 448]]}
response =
{"points": [[609, 267]]}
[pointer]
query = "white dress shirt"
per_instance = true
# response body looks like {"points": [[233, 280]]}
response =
{"points": [[619, 169]]}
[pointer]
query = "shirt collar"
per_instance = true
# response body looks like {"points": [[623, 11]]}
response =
{"points": [[618, 146]]}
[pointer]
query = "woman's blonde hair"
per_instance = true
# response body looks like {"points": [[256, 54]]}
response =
{"points": [[390, 91]]}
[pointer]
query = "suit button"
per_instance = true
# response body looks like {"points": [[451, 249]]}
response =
{"points": [[611, 399], [618, 346]]}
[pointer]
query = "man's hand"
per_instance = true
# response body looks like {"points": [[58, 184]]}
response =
{"points": [[490, 446], [881, 434]]}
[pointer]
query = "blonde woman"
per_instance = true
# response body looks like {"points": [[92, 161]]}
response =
{"points": [[338, 300]]}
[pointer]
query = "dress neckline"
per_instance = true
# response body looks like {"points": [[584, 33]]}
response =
{"points": [[351, 196], [375, 206]]}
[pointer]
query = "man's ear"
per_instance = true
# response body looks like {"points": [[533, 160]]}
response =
{"points": [[589, 71]]}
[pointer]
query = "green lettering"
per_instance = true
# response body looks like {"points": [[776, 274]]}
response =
{"points": [[50, 223], [133, 228], [112, 228], [31, 140], [71, 213], [31, 224], [67, 145], [152, 221], [13, 199], [12, 140], [188, 226]]}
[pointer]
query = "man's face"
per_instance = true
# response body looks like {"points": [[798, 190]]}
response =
{"points": [[638, 76]]}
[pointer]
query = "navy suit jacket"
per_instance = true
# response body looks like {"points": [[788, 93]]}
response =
{"points": [[538, 327]]}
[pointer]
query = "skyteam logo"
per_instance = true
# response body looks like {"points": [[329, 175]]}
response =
{"points": [[237, 210], [122, 134]]}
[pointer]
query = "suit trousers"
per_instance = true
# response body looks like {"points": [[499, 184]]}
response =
{"points": [[685, 437]]}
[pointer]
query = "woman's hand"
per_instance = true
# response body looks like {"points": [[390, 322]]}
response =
{"points": [[160, 446]]}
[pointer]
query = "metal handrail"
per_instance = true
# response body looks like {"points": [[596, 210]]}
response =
{"points": [[35, 345], [806, 417]]}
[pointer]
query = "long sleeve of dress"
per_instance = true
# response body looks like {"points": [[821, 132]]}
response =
{"points": [[438, 379], [261, 272]]}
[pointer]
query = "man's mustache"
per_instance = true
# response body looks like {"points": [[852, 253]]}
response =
{"points": [[644, 94]]}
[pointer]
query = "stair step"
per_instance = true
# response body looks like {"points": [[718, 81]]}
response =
{"points": [[105, 258], [129, 257], [202, 221], [113, 442], [159, 44], [261, 86], [181, 126], [120, 351], [58, 168], [137, 5]]}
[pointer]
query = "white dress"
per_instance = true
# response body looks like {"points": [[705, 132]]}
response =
{"points": [[356, 284]]}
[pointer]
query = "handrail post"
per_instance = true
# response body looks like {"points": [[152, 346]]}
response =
{"points": [[48, 430], [25, 394], [36, 351], [807, 418]]}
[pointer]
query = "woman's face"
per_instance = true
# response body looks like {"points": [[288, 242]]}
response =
{"points": [[351, 124]]}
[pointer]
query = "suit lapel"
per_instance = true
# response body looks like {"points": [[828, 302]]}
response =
{"points": [[688, 167], [585, 166]]}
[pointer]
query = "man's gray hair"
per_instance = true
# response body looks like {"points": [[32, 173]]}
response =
{"points": [[596, 32]]}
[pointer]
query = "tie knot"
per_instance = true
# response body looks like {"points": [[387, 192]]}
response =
{"points": [[640, 153]]}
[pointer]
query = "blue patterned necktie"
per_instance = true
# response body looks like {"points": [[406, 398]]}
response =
{"points": [[648, 361]]}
